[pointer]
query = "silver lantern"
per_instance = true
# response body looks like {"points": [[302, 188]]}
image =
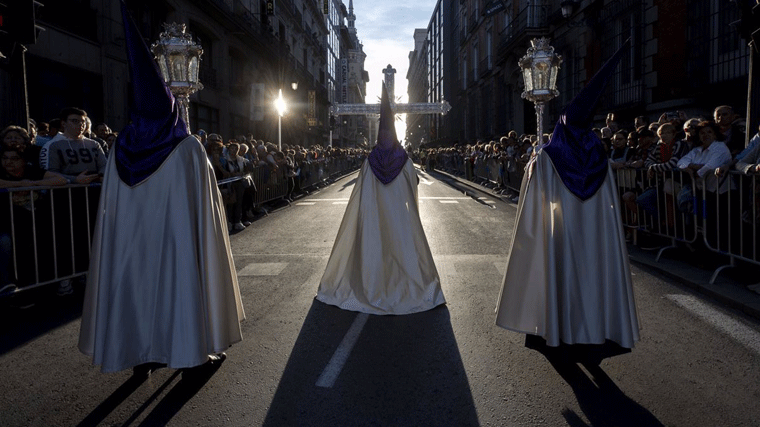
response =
{"points": [[540, 66], [179, 59]]}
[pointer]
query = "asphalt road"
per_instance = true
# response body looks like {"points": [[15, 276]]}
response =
{"points": [[304, 363]]}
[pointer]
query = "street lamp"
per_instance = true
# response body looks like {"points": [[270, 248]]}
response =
{"points": [[540, 66], [279, 104], [179, 59]]}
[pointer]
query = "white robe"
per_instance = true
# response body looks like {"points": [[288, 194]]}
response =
{"points": [[568, 277], [381, 262], [162, 285]]}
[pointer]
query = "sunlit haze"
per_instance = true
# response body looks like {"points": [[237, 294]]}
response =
{"points": [[386, 29]]}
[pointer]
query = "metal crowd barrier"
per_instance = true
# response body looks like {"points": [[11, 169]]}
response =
{"points": [[507, 173], [684, 210], [45, 232], [728, 223]]}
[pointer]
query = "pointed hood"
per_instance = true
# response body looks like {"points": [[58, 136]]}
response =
{"points": [[156, 126], [388, 157], [577, 153]]}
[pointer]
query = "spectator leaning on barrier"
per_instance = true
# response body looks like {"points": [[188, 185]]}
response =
{"points": [[31, 217], [80, 160], [16, 136], [701, 163], [664, 158], [214, 149], [237, 166], [691, 134]]}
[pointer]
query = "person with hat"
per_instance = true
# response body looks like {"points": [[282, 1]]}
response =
{"points": [[162, 287], [381, 261], [568, 277]]}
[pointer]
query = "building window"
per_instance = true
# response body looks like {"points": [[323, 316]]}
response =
{"points": [[464, 72], [715, 52], [620, 23], [203, 117], [475, 60], [489, 47]]}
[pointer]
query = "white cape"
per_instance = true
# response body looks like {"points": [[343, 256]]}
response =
{"points": [[162, 285], [381, 262], [568, 277]]}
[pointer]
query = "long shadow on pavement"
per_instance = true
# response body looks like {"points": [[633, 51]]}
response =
{"points": [[348, 183], [402, 371], [181, 392], [600, 399]]}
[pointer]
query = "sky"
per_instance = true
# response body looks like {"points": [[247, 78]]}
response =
{"points": [[386, 30]]}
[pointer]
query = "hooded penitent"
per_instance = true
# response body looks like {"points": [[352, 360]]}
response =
{"points": [[575, 150], [388, 158], [156, 127]]}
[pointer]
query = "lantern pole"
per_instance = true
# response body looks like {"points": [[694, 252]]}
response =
{"points": [[540, 121], [178, 58]]}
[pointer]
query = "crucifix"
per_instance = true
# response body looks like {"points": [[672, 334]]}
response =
{"points": [[373, 110]]}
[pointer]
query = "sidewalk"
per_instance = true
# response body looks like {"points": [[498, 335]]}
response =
{"points": [[690, 269]]}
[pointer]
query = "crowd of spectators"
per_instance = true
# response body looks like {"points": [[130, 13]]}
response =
{"points": [[255, 163], [39, 226], [644, 157], [665, 168]]}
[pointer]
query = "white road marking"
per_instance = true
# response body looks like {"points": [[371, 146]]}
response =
{"points": [[306, 203], [726, 324], [333, 368], [444, 198], [425, 181], [263, 269], [449, 201], [339, 203], [327, 200], [501, 266]]}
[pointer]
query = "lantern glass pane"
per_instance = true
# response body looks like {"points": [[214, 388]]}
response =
{"points": [[162, 65], [193, 68], [553, 81], [179, 67], [528, 78], [541, 75]]}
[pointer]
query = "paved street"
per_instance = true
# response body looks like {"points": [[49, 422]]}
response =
{"points": [[304, 363]]}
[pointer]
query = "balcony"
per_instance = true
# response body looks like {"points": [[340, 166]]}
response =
{"points": [[530, 22]]}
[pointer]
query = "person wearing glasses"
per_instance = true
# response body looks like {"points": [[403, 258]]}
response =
{"points": [[80, 160]]}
